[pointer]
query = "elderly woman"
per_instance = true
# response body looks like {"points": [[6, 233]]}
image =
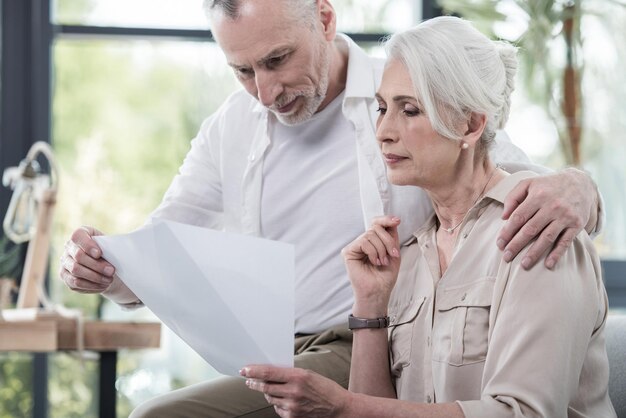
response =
{"points": [[451, 330]]}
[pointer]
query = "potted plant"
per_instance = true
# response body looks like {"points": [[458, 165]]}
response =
{"points": [[550, 52]]}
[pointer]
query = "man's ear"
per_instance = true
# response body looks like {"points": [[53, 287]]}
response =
{"points": [[328, 18], [475, 128]]}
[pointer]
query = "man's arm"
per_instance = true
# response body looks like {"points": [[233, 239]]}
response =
{"points": [[194, 197], [553, 208]]}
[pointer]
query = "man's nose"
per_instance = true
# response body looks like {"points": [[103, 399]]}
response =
{"points": [[268, 87]]}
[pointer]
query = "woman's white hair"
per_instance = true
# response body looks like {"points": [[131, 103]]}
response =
{"points": [[456, 70]]}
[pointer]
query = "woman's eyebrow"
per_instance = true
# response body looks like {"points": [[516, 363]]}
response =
{"points": [[403, 98]]}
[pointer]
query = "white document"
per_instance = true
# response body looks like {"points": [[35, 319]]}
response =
{"points": [[229, 296]]}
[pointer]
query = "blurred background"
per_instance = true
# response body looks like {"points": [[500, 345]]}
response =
{"points": [[119, 88]]}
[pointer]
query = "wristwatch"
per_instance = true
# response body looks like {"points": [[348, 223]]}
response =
{"points": [[358, 323]]}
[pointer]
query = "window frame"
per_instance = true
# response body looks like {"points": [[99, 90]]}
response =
{"points": [[27, 35]]}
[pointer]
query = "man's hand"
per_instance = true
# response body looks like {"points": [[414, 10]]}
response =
{"points": [[554, 208], [82, 267], [297, 393]]}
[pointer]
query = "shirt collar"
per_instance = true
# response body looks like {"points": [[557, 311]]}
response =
{"points": [[364, 72], [497, 193], [504, 186]]}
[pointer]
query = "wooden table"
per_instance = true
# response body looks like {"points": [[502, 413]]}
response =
{"points": [[44, 332]]}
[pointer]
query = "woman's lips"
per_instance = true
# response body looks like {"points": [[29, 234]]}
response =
{"points": [[393, 158]]}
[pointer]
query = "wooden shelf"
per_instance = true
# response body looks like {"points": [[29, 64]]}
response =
{"points": [[34, 336], [40, 331]]}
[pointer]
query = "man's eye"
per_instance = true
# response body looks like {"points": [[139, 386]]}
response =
{"points": [[276, 61], [381, 110], [244, 73]]}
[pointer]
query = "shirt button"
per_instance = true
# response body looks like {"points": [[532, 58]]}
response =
{"points": [[428, 341], [428, 399], [463, 297], [251, 157], [465, 235]]}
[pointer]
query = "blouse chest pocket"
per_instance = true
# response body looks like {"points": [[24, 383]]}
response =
{"points": [[402, 318], [461, 325]]}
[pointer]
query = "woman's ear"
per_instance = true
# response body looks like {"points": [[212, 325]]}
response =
{"points": [[475, 128]]}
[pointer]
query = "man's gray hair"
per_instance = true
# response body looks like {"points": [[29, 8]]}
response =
{"points": [[230, 8], [457, 70], [302, 10]]}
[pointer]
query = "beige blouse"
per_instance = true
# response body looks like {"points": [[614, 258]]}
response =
{"points": [[500, 340]]}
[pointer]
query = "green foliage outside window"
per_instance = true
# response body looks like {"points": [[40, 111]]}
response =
{"points": [[15, 385], [123, 117]]}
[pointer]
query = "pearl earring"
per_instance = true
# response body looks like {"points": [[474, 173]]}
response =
{"points": [[465, 145]]}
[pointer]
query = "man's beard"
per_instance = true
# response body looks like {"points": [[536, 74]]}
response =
{"points": [[313, 97]]}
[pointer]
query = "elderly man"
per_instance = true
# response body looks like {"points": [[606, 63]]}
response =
{"points": [[294, 150]]}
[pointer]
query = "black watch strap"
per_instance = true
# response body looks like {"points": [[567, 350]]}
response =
{"points": [[358, 323]]}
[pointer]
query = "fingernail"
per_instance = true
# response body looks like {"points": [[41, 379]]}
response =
{"points": [[508, 256], [244, 372], [386, 261], [378, 263], [500, 243], [550, 262], [108, 271], [94, 253], [248, 382], [526, 262], [395, 253], [395, 219]]}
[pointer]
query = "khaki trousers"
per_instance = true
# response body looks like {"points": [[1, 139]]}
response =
{"points": [[327, 353]]}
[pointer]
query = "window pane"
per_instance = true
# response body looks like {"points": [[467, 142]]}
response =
{"points": [[123, 116], [603, 120], [179, 14], [604, 90], [376, 16], [370, 16], [16, 375]]}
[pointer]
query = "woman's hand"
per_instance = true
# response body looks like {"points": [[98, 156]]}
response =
{"points": [[297, 393], [373, 262]]}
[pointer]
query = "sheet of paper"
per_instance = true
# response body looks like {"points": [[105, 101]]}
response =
{"points": [[229, 296]]}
